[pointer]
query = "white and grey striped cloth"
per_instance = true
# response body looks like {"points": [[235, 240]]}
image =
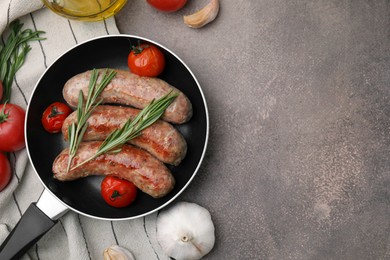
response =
{"points": [[74, 236]]}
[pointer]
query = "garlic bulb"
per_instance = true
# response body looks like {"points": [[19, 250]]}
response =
{"points": [[115, 252], [204, 16], [185, 231]]}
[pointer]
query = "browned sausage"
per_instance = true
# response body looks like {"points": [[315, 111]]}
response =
{"points": [[131, 163], [129, 89], [160, 139]]}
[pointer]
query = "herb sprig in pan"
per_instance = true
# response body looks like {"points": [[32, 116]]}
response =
{"points": [[133, 128], [77, 129]]}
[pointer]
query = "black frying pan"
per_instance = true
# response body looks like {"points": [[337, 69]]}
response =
{"points": [[83, 195]]}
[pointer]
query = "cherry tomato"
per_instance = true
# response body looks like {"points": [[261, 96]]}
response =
{"points": [[146, 60], [117, 192], [5, 171], [11, 127], [54, 116], [167, 5]]}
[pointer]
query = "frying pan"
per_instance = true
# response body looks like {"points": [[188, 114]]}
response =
{"points": [[83, 195]]}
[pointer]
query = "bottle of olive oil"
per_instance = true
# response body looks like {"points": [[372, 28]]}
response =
{"points": [[86, 10]]}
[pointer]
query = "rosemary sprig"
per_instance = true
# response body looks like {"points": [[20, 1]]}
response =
{"points": [[13, 54], [133, 128], [77, 129]]}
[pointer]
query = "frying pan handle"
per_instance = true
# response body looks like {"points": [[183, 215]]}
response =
{"points": [[30, 228], [39, 218]]}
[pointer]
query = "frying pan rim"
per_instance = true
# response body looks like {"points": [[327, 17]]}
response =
{"points": [[205, 143]]}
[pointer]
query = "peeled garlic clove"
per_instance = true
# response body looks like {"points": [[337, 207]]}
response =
{"points": [[185, 231], [115, 252], [204, 16]]}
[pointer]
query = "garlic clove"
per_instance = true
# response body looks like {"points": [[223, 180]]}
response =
{"points": [[185, 231], [204, 16], [115, 252]]}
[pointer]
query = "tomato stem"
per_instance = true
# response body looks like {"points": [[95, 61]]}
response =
{"points": [[115, 194], [54, 112], [138, 49], [3, 116]]}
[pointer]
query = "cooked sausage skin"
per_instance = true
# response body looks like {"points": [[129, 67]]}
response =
{"points": [[160, 139], [127, 88], [131, 163]]}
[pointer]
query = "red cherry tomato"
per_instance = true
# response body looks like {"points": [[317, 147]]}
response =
{"points": [[117, 192], [5, 171], [167, 5], [146, 60], [11, 127], [54, 116]]}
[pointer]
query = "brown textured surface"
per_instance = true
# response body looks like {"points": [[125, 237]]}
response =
{"points": [[298, 95]]}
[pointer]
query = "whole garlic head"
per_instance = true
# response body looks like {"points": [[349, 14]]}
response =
{"points": [[115, 252], [185, 231]]}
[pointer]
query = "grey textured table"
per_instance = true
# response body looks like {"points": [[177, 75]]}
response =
{"points": [[298, 93]]}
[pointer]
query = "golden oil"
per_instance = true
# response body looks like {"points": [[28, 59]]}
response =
{"points": [[85, 10]]}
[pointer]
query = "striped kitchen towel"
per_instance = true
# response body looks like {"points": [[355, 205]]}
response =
{"points": [[74, 236]]}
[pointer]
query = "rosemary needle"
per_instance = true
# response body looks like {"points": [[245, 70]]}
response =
{"points": [[13, 54], [133, 128], [77, 129]]}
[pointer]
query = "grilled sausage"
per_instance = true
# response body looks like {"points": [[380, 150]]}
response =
{"points": [[160, 139], [127, 88], [131, 163]]}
